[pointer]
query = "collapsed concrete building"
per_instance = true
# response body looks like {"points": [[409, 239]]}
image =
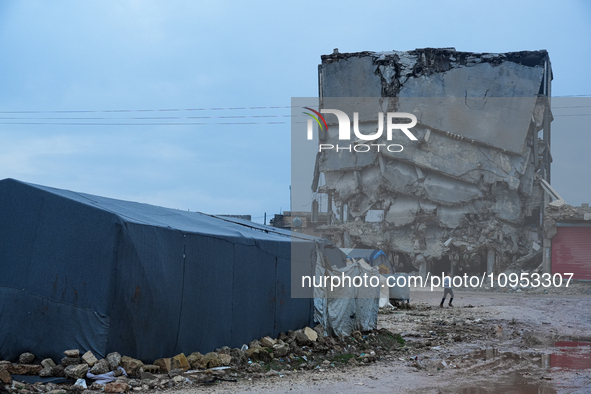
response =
{"points": [[467, 195]]}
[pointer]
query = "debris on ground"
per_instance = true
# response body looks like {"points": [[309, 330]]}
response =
{"points": [[301, 350]]}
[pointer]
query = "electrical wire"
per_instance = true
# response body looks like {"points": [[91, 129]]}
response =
{"points": [[146, 124], [573, 115], [146, 110], [149, 120], [182, 120]]}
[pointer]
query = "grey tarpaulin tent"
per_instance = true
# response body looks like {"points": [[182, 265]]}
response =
{"points": [[93, 273], [346, 307]]}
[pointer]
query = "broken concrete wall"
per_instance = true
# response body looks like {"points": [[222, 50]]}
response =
{"points": [[467, 191]]}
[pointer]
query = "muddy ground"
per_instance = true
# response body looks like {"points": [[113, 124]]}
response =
{"points": [[490, 342]]}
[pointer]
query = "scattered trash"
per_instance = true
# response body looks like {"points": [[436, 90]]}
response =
{"points": [[81, 383], [106, 377]]}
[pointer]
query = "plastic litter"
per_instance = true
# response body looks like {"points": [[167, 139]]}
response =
{"points": [[105, 378], [81, 383]]}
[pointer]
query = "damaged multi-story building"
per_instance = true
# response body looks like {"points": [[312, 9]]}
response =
{"points": [[467, 195]]}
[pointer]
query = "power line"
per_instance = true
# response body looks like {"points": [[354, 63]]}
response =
{"points": [[145, 110], [573, 106], [572, 115], [200, 109], [172, 123], [121, 121], [144, 124], [153, 117], [175, 120]]}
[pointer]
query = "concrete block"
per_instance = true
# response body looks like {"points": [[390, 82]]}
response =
{"points": [[447, 190], [164, 364], [402, 211], [180, 361], [352, 77]]}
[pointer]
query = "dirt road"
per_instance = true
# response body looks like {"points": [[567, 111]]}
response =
{"points": [[489, 342]]}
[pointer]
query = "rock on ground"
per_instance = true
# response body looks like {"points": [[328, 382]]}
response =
{"points": [[58, 371], [116, 387], [211, 360], [76, 371], [180, 361], [194, 359], [226, 359], [48, 363], [311, 334], [26, 358], [5, 376], [267, 342], [100, 367], [71, 361], [131, 365], [72, 353], [89, 358], [114, 359], [165, 363]]}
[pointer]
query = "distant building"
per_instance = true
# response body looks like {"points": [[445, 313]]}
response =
{"points": [[303, 224], [567, 240], [243, 217]]}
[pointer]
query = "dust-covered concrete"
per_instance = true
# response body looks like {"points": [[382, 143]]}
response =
{"points": [[466, 194]]}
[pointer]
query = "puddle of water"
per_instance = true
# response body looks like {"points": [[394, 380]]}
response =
{"points": [[571, 355], [493, 359], [510, 372], [519, 373], [511, 384], [496, 362]]}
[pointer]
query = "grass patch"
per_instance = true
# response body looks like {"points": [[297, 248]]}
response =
{"points": [[388, 340], [398, 338], [382, 339]]}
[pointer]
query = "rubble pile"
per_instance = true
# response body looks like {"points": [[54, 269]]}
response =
{"points": [[305, 349], [566, 212]]}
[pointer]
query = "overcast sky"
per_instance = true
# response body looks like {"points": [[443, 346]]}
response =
{"points": [[160, 79]]}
